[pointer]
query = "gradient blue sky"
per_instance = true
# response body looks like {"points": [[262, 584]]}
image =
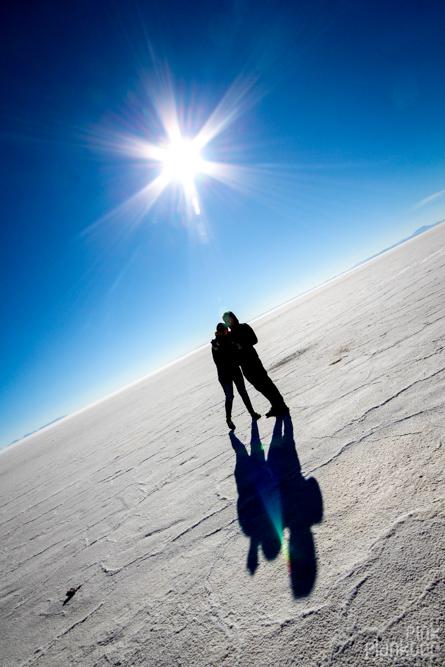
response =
{"points": [[331, 115]]}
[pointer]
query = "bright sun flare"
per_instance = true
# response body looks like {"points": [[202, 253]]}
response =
{"points": [[182, 161], [176, 158]]}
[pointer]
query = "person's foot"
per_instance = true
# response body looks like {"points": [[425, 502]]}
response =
{"points": [[278, 412], [231, 425], [255, 416]]}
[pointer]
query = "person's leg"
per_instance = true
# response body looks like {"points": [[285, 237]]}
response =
{"points": [[251, 374], [270, 391], [227, 385], [240, 385], [258, 377]]}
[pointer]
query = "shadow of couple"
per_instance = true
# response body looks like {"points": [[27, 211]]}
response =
{"points": [[273, 496]]}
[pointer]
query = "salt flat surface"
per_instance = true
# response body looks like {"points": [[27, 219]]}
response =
{"points": [[317, 541]]}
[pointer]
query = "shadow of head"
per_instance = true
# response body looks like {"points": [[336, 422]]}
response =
{"points": [[275, 500]]}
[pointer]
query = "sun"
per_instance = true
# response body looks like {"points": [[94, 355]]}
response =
{"points": [[178, 159], [182, 162]]}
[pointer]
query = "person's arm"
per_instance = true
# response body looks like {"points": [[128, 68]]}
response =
{"points": [[250, 335], [215, 351]]}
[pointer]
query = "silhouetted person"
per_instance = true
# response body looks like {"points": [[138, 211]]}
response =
{"points": [[244, 338], [229, 372]]}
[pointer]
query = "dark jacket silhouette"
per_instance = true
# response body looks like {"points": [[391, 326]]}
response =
{"points": [[227, 364], [225, 357]]}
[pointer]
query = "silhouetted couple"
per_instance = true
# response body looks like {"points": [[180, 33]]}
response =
{"points": [[235, 356]]}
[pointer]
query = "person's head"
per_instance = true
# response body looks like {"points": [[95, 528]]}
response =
{"points": [[230, 319], [221, 329]]}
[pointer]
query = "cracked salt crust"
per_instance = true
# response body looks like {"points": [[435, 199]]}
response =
{"points": [[135, 498]]}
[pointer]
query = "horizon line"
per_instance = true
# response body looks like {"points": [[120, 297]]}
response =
{"points": [[359, 265]]}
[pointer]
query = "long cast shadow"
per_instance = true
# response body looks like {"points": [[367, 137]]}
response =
{"points": [[274, 495]]}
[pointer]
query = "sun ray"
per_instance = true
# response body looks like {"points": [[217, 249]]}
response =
{"points": [[136, 207], [237, 100]]}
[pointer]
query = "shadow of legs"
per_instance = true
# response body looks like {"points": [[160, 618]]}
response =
{"points": [[273, 495]]}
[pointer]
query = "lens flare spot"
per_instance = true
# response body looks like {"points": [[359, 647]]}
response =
{"points": [[196, 206], [284, 538]]}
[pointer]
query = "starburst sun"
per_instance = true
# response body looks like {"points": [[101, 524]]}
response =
{"points": [[175, 159], [182, 162]]}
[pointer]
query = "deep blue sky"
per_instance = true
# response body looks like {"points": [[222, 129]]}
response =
{"points": [[340, 136]]}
